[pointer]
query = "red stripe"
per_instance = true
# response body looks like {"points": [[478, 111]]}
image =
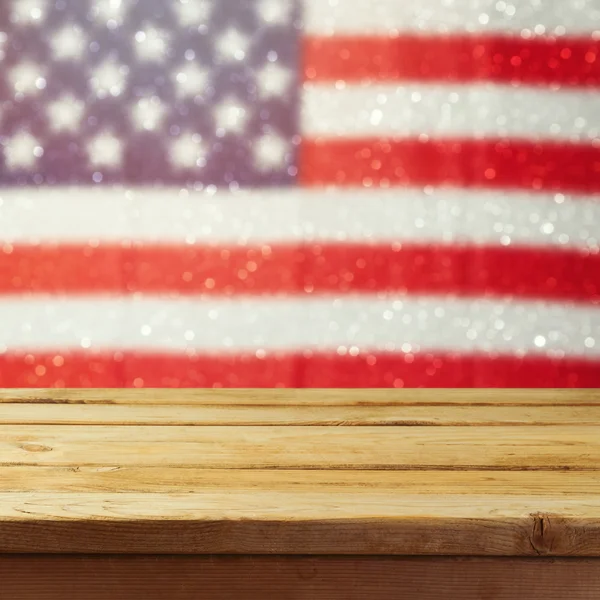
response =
{"points": [[319, 370], [457, 58], [460, 163], [469, 271]]}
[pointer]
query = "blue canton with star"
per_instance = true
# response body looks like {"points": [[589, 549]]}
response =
{"points": [[146, 92]]}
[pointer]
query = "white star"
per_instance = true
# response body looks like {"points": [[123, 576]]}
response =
{"points": [[68, 43], [148, 113], [105, 150], [274, 12], [270, 152], [152, 44], [29, 11], [27, 78], [110, 12], [273, 80], [190, 80], [65, 114], [232, 45], [109, 77], [231, 116], [22, 151], [193, 12], [188, 151]]}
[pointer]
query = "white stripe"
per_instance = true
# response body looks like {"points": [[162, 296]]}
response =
{"points": [[521, 17], [452, 110], [352, 322], [295, 215]]}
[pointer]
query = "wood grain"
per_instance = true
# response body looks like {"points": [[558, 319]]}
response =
{"points": [[312, 523], [78, 479], [374, 472], [568, 447], [306, 415], [296, 578], [307, 397]]}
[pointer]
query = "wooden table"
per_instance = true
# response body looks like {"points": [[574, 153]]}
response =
{"points": [[350, 494]]}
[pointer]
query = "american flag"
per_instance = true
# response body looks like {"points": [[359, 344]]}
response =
{"points": [[311, 193]]}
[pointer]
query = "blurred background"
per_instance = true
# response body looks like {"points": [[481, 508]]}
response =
{"points": [[302, 193]]}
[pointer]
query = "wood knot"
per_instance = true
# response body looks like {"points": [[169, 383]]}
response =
{"points": [[542, 535], [307, 570], [35, 448]]}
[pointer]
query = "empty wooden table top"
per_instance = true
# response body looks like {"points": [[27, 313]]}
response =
{"points": [[370, 472]]}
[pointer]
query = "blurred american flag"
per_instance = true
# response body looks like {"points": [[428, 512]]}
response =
{"points": [[299, 193]]}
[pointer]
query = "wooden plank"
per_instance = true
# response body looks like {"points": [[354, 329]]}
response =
{"points": [[251, 471], [409, 415], [272, 522], [554, 484], [568, 447], [296, 578], [308, 397]]}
